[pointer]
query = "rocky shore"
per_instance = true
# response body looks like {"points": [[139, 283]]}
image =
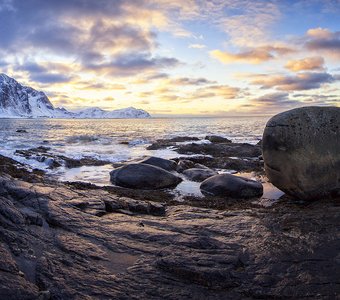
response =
{"points": [[76, 240]]}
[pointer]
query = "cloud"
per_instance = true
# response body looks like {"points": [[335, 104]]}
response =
{"points": [[157, 76], [223, 91], [319, 99], [247, 22], [171, 93], [130, 64], [306, 64], [109, 36], [50, 78], [278, 98], [298, 82], [197, 46], [181, 81], [46, 74], [280, 101], [252, 56], [320, 39]]}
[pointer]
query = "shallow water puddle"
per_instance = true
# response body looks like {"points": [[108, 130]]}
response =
{"points": [[189, 188]]}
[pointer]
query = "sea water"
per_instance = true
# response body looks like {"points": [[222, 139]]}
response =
{"points": [[114, 140]]}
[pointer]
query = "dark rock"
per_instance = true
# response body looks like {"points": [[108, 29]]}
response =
{"points": [[21, 131], [250, 164], [143, 176], [164, 143], [162, 163], [221, 150], [156, 209], [42, 154], [238, 251], [184, 164], [217, 139], [18, 170], [301, 151], [196, 174], [85, 161], [200, 166], [226, 185]]}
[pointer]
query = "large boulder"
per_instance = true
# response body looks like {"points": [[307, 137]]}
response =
{"points": [[226, 185], [301, 152], [165, 164], [199, 174], [143, 176]]}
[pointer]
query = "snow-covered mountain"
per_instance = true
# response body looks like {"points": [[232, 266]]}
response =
{"points": [[18, 101], [124, 113]]}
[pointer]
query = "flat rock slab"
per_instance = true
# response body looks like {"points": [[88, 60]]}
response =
{"points": [[301, 152]]}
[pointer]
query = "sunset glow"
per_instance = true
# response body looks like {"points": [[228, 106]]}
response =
{"points": [[175, 57]]}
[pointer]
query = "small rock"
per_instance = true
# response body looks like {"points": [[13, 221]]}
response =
{"points": [[217, 139], [226, 185], [196, 174], [200, 166], [184, 164]]}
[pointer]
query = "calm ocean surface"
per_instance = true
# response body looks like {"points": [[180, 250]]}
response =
{"points": [[102, 139]]}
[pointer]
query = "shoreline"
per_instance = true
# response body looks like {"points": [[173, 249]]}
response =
{"points": [[125, 244]]}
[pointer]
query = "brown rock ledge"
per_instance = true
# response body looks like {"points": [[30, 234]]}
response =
{"points": [[58, 241]]}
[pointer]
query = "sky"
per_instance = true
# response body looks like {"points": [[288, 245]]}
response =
{"points": [[193, 57]]}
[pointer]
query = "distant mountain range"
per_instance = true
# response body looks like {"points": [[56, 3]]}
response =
{"points": [[18, 101]]}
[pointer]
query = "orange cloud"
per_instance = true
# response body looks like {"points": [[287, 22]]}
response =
{"points": [[319, 33], [252, 56], [306, 64]]}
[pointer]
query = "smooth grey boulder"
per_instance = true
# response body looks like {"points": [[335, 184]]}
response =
{"points": [[226, 185], [165, 164], [143, 176], [301, 152], [217, 139], [198, 174]]}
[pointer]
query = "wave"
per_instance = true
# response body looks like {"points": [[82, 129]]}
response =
{"points": [[82, 139]]}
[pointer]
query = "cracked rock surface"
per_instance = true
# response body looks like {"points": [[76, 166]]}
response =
{"points": [[60, 241]]}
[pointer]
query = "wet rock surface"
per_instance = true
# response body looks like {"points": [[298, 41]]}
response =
{"points": [[222, 154], [228, 185], [198, 174], [163, 143], [166, 164], [90, 243], [301, 151], [217, 139], [42, 154], [143, 176]]}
